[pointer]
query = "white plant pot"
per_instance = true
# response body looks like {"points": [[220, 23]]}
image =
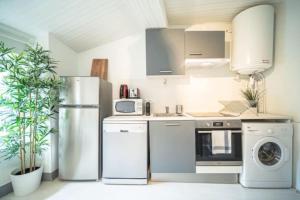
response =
{"points": [[26, 183]]}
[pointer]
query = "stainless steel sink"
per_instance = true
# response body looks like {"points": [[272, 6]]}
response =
{"points": [[166, 115]]}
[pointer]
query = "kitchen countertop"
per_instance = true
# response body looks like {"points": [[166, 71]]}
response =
{"points": [[244, 117]]}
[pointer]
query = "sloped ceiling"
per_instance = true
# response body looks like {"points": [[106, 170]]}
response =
{"points": [[84, 24], [188, 12]]}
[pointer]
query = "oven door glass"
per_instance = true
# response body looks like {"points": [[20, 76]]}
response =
{"points": [[204, 148]]}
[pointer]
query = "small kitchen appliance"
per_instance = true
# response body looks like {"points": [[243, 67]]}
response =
{"points": [[134, 93], [148, 108], [128, 107], [123, 91]]}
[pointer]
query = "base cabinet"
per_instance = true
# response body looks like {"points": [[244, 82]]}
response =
{"points": [[172, 146]]}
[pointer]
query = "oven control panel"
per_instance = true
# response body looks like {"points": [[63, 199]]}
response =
{"points": [[219, 124]]}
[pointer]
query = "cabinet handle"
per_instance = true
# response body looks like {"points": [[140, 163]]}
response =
{"points": [[165, 71], [209, 132], [196, 54], [124, 131], [174, 124]]}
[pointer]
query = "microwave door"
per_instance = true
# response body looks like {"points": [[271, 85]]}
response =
{"points": [[125, 107], [128, 107]]}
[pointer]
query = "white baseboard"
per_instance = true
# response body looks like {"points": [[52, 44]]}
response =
{"points": [[115, 181], [218, 169]]}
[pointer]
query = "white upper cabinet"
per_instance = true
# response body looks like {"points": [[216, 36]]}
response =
{"points": [[252, 42]]}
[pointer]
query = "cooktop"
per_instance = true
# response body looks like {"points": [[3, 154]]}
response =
{"points": [[206, 114]]}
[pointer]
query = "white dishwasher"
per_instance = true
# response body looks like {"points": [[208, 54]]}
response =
{"points": [[125, 159]]}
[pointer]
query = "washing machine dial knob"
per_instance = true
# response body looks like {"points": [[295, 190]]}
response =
{"points": [[208, 124], [228, 124]]}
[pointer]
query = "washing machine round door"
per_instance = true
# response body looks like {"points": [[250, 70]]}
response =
{"points": [[270, 153]]}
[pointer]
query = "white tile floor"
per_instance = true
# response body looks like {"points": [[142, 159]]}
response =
{"points": [[58, 190]]}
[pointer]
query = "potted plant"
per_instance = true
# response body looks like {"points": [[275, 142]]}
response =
{"points": [[252, 96], [29, 100]]}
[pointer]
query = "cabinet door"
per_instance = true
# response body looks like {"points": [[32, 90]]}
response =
{"points": [[204, 44], [165, 51], [78, 143], [172, 146]]}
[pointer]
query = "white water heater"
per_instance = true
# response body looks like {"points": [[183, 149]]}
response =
{"points": [[252, 42]]}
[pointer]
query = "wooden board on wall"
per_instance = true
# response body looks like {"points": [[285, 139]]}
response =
{"points": [[100, 68]]}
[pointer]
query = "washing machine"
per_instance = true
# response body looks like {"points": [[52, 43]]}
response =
{"points": [[267, 155]]}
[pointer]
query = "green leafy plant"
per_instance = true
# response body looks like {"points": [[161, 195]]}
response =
{"points": [[252, 96], [29, 100]]}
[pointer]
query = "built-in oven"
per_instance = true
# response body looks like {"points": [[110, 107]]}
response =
{"points": [[207, 131]]}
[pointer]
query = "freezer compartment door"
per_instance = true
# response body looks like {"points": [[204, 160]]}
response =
{"points": [[124, 150], [80, 90], [78, 143]]}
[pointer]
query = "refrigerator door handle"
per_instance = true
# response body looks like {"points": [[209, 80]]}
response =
{"points": [[78, 106]]}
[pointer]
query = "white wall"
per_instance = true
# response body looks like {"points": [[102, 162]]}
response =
{"points": [[127, 64], [283, 82], [6, 167], [66, 57]]}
